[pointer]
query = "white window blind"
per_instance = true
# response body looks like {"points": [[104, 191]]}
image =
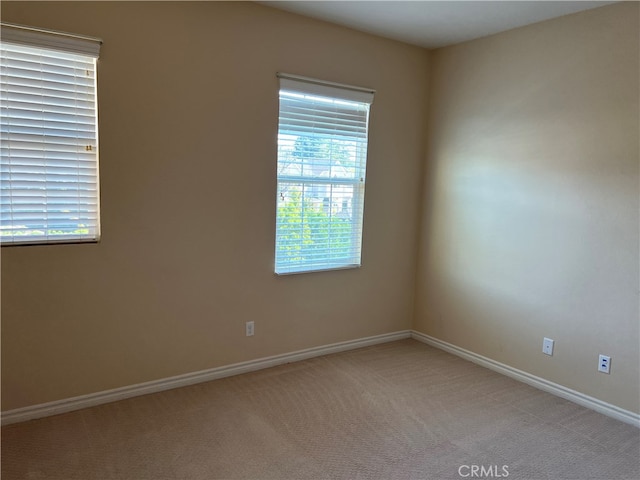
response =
{"points": [[322, 153], [49, 139]]}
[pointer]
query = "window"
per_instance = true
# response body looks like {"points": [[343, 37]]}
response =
{"points": [[49, 139], [322, 154]]}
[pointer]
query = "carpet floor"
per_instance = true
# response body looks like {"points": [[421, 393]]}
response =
{"points": [[400, 410]]}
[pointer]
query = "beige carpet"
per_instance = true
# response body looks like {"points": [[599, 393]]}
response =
{"points": [[393, 411]]}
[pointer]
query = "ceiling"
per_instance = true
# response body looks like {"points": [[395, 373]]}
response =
{"points": [[433, 24]]}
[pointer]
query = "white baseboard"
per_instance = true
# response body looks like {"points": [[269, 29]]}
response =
{"points": [[84, 401], [537, 382]]}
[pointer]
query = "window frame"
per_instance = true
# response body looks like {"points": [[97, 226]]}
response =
{"points": [[349, 97], [36, 41]]}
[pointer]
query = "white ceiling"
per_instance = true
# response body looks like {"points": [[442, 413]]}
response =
{"points": [[433, 24]]}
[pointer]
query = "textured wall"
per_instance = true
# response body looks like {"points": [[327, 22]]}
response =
{"points": [[188, 107], [530, 222]]}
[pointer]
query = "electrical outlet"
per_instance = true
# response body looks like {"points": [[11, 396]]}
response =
{"points": [[604, 364], [547, 346], [249, 329]]}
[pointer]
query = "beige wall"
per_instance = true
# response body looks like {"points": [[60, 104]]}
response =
{"points": [[188, 105], [529, 216], [530, 224]]}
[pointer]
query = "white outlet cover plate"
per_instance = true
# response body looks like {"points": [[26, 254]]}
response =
{"points": [[604, 363]]}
